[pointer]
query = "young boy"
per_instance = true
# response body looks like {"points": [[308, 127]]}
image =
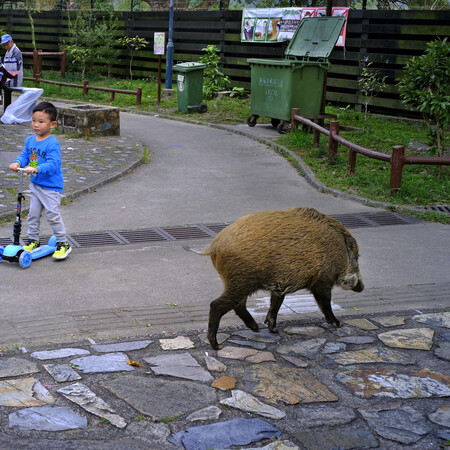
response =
{"points": [[41, 158]]}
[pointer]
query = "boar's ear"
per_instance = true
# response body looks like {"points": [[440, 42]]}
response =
{"points": [[352, 247]]}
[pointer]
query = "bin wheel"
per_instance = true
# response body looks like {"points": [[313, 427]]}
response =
{"points": [[282, 127], [275, 122], [202, 108], [251, 121]]}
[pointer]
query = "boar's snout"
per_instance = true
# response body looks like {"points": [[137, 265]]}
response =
{"points": [[359, 286]]}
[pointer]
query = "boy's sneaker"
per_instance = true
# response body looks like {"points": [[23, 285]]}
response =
{"points": [[32, 246], [62, 250]]}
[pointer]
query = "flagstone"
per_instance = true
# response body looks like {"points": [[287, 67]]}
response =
{"points": [[121, 346], [181, 365], [46, 418], [413, 338], [372, 355], [252, 344], [109, 362], [221, 338], [363, 324], [178, 343], [158, 398], [312, 331], [337, 439], [261, 357], [263, 335], [445, 336], [321, 415], [390, 321], [443, 350], [61, 353], [213, 365], [298, 362], [62, 372], [13, 367], [435, 319], [410, 383], [208, 413], [81, 395], [246, 402], [285, 384], [443, 434], [359, 340], [396, 422], [24, 392], [277, 445], [441, 416], [308, 349], [236, 352], [234, 432], [224, 383], [333, 347]]}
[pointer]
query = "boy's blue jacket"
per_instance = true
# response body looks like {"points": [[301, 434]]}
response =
{"points": [[46, 156]]}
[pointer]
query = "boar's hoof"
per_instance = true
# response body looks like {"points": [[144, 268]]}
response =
{"points": [[213, 342], [271, 326]]}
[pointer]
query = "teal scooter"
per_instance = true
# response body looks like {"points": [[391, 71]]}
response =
{"points": [[16, 253]]}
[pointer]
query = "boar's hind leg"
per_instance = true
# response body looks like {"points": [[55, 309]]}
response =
{"points": [[220, 306], [271, 319], [322, 295]]}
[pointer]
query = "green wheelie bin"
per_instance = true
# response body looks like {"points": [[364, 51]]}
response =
{"points": [[190, 87], [277, 86]]}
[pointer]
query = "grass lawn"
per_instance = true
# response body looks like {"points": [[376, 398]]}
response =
{"points": [[421, 184]]}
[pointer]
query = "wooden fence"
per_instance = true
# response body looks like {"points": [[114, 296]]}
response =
{"points": [[388, 39]]}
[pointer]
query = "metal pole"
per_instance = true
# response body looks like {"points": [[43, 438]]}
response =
{"points": [[169, 57]]}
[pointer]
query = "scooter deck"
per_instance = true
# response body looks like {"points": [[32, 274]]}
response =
{"points": [[45, 250]]}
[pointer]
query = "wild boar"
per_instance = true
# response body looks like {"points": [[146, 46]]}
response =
{"points": [[281, 252]]}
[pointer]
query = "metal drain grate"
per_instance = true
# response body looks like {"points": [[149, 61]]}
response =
{"points": [[205, 231], [438, 208]]}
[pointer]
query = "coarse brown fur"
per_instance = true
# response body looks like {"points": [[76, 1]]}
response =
{"points": [[281, 252]]}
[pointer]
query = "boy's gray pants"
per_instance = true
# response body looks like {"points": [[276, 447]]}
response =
{"points": [[49, 200]]}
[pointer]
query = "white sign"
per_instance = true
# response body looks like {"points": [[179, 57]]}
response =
{"points": [[159, 43]]}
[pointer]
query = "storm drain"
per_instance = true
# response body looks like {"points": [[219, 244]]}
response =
{"points": [[208, 231], [437, 208]]}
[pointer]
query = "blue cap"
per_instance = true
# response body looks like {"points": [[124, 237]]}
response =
{"points": [[6, 38]]}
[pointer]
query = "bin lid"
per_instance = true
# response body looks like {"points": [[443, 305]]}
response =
{"points": [[188, 66], [315, 37]]}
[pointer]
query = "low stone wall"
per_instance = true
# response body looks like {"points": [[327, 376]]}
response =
{"points": [[89, 120]]}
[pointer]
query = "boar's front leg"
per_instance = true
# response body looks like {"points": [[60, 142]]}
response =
{"points": [[276, 301], [322, 295]]}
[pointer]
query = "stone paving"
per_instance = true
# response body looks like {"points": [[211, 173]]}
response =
{"points": [[87, 164], [376, 382]]}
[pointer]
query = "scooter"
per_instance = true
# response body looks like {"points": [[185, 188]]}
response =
{"points": [[15, 252]]}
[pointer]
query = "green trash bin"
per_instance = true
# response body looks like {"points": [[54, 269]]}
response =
{"points": [[277, 86], [190, 87]]}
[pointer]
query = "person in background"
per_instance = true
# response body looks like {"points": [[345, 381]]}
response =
{"points": [[12, 62]]}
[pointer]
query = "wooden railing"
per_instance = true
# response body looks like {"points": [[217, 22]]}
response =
{"points": [[37, 61], [397, 160], [85, 86]]}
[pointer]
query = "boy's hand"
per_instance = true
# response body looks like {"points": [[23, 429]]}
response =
{"points": [[30, 170], [14, 166]]}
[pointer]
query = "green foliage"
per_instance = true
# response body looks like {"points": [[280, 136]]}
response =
{"points": [[425, 86], [90, 40], [214, 80], [370, 84], [134, 44]]}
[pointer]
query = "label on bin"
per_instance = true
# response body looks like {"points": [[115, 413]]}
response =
{"points": [[180, 80]]}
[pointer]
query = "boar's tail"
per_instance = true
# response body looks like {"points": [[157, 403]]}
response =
{"points": [[189, 249]]}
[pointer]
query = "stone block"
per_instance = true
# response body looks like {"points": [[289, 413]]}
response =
{"points": [[89, 120]]}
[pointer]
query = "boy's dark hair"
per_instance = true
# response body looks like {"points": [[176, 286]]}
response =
{"points": [[48, 108]]}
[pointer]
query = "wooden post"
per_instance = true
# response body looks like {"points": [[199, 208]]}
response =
{"points": [[138, 96], [398, 152], [332, 144], [295, 112], [351, 161], [35, 64], [40, 61], [63, 63], [85, 87]]}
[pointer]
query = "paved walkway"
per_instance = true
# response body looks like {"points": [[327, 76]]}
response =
{"points": [[156, 290]]}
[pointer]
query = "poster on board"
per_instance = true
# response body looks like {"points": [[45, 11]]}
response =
{"points": [[280, 24]]}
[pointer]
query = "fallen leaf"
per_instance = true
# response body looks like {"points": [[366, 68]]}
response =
{"points": [[132, 363]]}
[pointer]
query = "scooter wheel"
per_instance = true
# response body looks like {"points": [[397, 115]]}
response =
{"points": [[1, 253], [25, 259]]}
